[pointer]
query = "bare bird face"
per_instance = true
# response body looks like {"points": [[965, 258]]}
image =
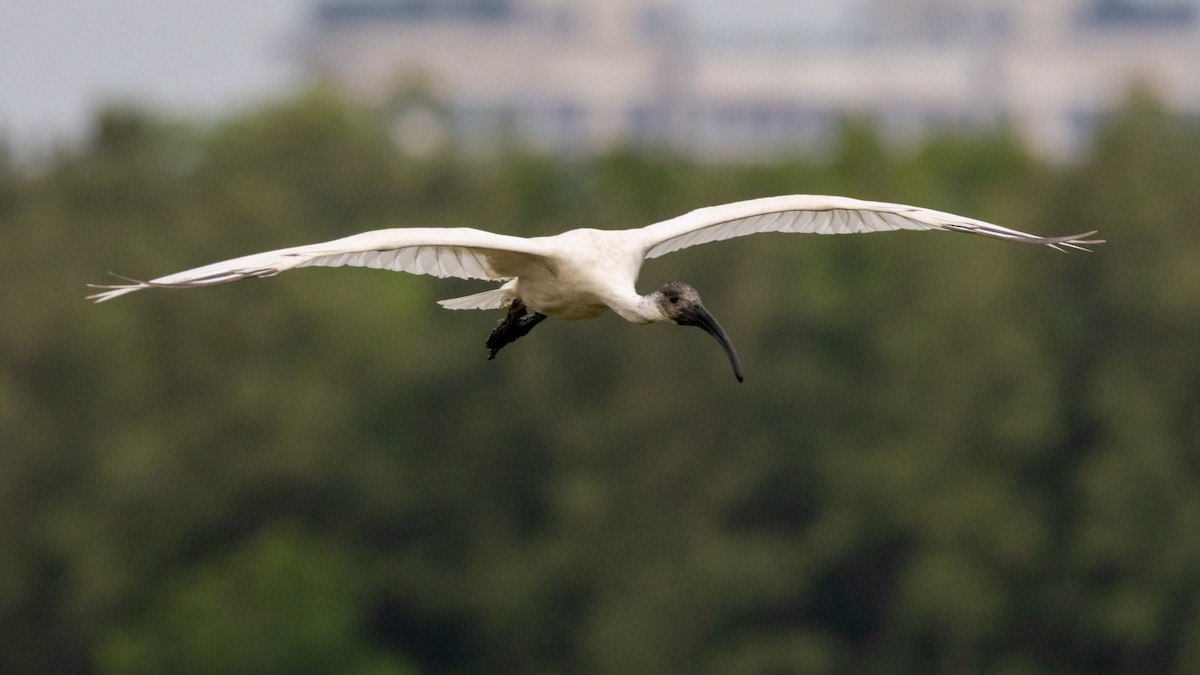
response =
{"points": [[681, 303]]}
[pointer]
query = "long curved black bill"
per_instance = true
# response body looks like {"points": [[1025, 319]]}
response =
{"points": [[699, 316]]}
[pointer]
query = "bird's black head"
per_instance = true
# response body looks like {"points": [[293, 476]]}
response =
{"points": [[681, 305]]}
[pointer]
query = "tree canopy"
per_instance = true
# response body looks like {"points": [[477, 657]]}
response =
{"points": [[950, 454]]}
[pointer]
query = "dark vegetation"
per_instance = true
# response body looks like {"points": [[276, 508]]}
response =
{"points": [[950, 454]]}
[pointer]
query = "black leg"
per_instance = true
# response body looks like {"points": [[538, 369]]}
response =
{"points": [[516, 324]]}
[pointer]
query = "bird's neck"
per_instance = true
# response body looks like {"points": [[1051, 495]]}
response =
{"points": [[639, 309]]}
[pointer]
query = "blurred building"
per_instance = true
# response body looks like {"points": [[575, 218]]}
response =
{"points": [[727, 79]]}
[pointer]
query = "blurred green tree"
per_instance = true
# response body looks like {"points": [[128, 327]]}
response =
{"points": [[949, 455]]}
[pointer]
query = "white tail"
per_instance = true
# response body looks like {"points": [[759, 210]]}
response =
{"points": [[496, 298]]}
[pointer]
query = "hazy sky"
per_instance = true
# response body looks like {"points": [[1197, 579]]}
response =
{"points": [[60, 59]]}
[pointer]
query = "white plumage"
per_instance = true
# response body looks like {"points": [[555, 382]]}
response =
{"points": [[579, 274]]}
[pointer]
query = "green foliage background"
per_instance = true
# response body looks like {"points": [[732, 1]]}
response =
{"points": [[950, 454]]}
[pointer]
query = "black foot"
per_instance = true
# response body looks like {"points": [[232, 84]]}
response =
{"points": [[516, 324]]}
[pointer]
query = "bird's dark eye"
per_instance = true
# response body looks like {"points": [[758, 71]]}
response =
{"points": [[673, 298]]}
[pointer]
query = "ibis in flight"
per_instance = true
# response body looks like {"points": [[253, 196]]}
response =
{"points": [[580, 273]]}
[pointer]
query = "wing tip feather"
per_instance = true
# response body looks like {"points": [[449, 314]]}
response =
{"points": [[110, 291]]}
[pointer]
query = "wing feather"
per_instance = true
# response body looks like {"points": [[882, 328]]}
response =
{"points": [[443, 252], [475, 254], [822, 215]]}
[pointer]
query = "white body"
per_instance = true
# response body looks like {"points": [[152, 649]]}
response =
{"points": [[580, 273], [574, 286]]}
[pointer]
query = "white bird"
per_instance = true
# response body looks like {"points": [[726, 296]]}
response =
{"points": [[580, 273]]}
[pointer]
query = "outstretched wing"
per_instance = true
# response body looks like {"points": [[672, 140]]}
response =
{"points": [[822, 215], [442, 252]]}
